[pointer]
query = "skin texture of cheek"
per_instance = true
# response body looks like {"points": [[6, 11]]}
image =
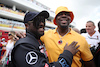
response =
{"points": [[41, 31]]}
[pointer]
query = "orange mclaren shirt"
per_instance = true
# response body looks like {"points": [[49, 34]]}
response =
{"points": [[54, 49]]}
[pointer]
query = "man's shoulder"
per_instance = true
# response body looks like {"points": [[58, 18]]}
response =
{"points": [[97, 33], [26, 43], [78, 37], [26, 40], [20, 41]]}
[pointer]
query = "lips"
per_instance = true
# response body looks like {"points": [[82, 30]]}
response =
{"points": [[63, 22], [87, 29]]}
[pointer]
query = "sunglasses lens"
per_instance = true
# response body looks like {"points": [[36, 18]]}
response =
{"points": [[9, 34]]}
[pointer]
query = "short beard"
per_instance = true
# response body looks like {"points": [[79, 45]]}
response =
{"points": [[63, 27], [38, 35]]}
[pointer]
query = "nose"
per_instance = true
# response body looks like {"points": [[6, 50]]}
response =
{"points": [[64, 14]]}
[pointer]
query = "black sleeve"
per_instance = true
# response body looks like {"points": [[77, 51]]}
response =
{"points": [[30, 57]]}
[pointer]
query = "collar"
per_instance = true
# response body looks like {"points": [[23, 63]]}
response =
{"points": [[92, 33], [96, 33], [55, 31]]}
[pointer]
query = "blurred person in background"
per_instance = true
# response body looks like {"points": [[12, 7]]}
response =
{"points": [[0, 48], [92, 36], [4, 43], [76, 30], [9, 47], [83, 30], [97, 52], [99, 26]]}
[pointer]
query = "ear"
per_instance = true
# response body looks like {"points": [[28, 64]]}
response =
{"points": [[94, 27], [26, 25]]}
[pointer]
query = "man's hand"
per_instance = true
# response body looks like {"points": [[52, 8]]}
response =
{"points": [[72, 47], [19, 35]]}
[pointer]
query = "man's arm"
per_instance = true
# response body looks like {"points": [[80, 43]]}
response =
{"points": [[24, 53]]}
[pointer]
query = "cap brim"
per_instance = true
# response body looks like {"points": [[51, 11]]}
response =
{"points": [[44, 13]]}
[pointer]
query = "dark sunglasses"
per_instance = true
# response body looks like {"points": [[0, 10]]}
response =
{"points": [[9, 34]]}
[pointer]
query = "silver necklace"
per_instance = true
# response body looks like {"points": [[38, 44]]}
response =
{"points": [[60, 41]]}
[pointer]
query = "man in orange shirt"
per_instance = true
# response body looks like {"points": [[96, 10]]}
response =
{"points": [[56, 39]]}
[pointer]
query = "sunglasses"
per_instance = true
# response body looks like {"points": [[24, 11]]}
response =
{"points": [[9, 34]]}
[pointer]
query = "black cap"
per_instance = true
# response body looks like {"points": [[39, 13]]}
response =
{"points": [[31, 15]]}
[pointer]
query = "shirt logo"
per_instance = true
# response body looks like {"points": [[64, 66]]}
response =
{"points": [[95, 38], [31, 57]]}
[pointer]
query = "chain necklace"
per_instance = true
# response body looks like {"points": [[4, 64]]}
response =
{"points": [[60, 41]]}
